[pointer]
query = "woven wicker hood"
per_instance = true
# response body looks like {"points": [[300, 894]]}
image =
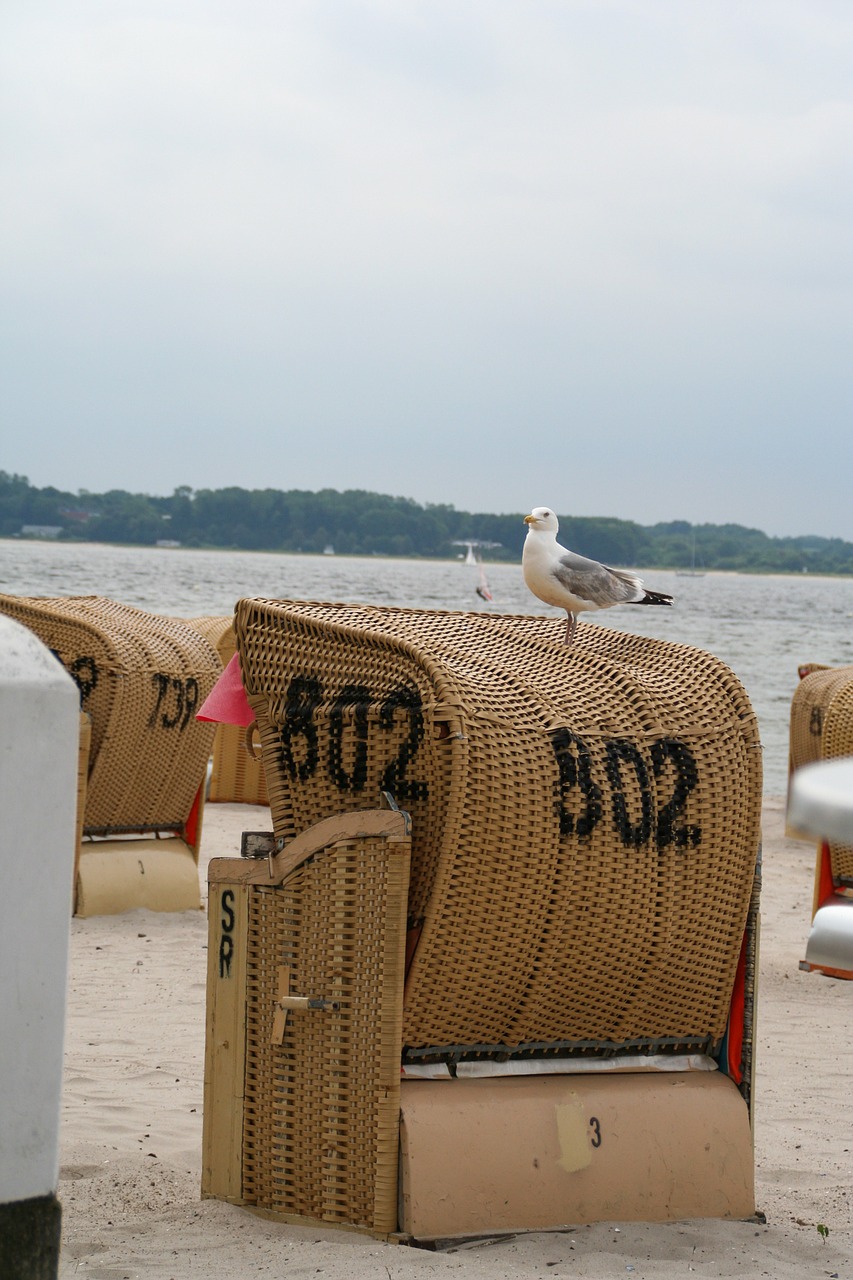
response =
{"points": [[585, 818]]}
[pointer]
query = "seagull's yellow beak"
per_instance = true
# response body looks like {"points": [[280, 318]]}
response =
{"points": [[529, 519]]}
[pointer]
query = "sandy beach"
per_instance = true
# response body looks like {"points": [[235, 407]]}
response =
{"points": [[130, 1149]]}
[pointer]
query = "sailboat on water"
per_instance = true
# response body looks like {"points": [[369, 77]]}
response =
{"points": [[692, 572], [474, 557]]}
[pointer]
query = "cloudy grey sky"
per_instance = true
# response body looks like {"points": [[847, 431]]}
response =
{"points": [[594, 254]]}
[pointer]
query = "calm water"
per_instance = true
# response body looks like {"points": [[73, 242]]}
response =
{"points": [[762, 627]]}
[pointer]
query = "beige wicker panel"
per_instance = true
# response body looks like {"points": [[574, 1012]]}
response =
{"points": [[585, 818], [218, 630], [838, 741], [237, 776], [809, 706], [141, 678], [321, 1104]]}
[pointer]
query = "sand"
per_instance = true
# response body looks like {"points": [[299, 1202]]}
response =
{"points": [[132, 1121]]}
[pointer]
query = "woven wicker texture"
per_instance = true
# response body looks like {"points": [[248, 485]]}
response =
{"points": [[236, 775], [218, 630], [811, 724], [821, 728], [321, 1109], [141, 678], [585, 819]]}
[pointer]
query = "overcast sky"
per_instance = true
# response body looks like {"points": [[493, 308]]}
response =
{"points": [[594, 254]]}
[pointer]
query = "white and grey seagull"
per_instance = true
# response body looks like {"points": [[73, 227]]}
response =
{"points": [[571, 582]]}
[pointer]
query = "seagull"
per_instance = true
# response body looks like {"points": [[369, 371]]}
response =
{"points": [[571, 582]]}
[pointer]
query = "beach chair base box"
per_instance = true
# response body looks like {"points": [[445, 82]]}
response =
{"points": [[124, 875], [155, 872], [528, 1153]]}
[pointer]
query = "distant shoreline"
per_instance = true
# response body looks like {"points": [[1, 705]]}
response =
{"points": [[359, 523], [402, 559]]}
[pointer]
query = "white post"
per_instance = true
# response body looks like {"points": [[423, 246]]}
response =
{"points": [[39, 734]]}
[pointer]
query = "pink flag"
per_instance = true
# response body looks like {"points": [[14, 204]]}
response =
{"points": [[227, 702]]}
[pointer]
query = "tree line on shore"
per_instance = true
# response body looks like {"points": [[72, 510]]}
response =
{"points": [[357, 522]]}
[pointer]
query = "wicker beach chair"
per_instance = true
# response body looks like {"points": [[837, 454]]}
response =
{"points": [[572, 842], [141, 679], [821, 728]]}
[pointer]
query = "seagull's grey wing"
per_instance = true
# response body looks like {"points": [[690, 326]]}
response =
{"points": [[589, 580]]}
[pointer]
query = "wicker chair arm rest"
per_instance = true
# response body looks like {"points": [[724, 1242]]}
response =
{"points": [[392, 824]]}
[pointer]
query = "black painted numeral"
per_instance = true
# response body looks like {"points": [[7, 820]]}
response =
{"points": [[618, 753], [191, 695], [676, 754], [304, 695], [83, 671], [394, 777], [574, 762], [354, 697], [176, 701]]}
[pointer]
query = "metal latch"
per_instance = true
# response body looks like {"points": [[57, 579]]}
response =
{"points": [[307, 1002], [258, 844], [286, 1003], [261, 844]]}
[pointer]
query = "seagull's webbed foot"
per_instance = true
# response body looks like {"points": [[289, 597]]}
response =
{"points": [[571, 625]]}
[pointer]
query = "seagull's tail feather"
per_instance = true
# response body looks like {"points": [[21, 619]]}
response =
{"points": [[653, 597]]}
